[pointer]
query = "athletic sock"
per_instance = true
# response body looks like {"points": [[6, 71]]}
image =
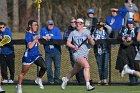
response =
{"points": [[132, 72], [19, 86], [66, 79], [87, 83], [129, 71]]}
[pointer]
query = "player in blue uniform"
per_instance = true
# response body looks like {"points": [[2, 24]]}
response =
{"points": [[32, 55]]}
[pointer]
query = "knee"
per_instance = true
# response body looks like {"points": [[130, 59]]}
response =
{"points": [[86, 66], [22, 74]]}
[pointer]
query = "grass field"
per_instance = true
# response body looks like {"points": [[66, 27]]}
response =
{"points": [[74, 89]]}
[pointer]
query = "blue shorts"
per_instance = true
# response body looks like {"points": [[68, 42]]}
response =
{"points": [[29, 60]]}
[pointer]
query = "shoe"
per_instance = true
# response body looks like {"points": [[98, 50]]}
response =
{"points": [[1, 90], [50, 82], [39, 82], [64, 82], [124, 71], [4, 81], [10, 81], [89, 88], [18, 89], [105, 82], [100, 82], [57, 82]]}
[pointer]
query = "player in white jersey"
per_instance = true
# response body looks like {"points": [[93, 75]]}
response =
{"points": [[80, 53]]}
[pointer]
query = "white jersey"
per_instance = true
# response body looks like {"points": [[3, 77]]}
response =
{"points": [[77, 38]]}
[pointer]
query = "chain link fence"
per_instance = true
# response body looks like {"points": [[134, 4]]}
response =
{"points": [[114, 76]]}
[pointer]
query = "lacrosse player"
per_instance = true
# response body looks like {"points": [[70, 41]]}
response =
{"points": [[31, 55], [80, 53]]}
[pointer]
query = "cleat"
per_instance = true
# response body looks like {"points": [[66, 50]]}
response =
{"points": [[64, 82], [89, 88], [125, 70], [39, 82], [18, 89]]}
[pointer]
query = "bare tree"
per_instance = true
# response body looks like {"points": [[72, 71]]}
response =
{"points": [[3, 9], [29, 3], [15, 16]]}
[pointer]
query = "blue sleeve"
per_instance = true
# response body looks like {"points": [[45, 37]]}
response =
{"points": [[28, 37], [57, 33], [42, 32], [123, 12], [8, 32]]}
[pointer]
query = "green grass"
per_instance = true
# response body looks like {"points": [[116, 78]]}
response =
{"points": [[74, 89]]}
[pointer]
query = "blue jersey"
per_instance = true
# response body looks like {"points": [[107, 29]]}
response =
{"points": [[8, 48], [100, 34], [33, 53], [116, 22], [55, 34]]}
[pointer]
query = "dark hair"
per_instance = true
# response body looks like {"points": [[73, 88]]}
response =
{"points": [[2, 23], [30, 22], [127, 1], [100, 24]]}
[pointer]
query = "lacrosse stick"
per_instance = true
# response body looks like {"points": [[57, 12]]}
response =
{"points": [[92, 30], [5, 40], [38, 8]]}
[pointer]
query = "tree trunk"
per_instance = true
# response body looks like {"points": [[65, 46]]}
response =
{"points": [[3, 11], [15, 16], [29, 3]]}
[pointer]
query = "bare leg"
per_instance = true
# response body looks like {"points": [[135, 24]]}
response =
{"points": [[75, 70], [136, 73], [25, 69], [82, 61]]}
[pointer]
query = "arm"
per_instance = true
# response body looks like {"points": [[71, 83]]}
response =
{"points": [[122, 12], [42, 33], [7, 32], [31, 44], [131, 7], [90, 39], [135, 8], [109, 29], [69, 44], [127, 6], [57, 33]]}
